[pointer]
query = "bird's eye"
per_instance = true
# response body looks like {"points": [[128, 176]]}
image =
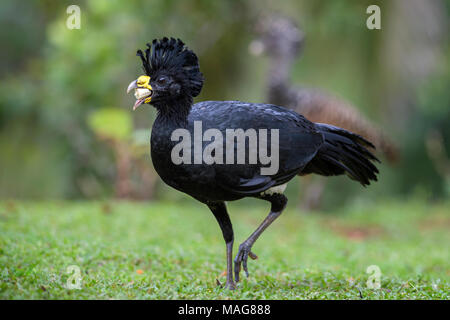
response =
{"points": [[162, 80]]}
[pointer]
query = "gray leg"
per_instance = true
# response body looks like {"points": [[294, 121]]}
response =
{"points": [[220, 212], [230, 282], [278, 202]]}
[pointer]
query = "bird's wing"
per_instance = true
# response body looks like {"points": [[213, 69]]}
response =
{"points": [[298, 141]]}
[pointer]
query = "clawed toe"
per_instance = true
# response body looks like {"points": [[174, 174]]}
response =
{"points": [[242, 257]]}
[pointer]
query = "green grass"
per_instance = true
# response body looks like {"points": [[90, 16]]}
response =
{"points": [[167, 251]]}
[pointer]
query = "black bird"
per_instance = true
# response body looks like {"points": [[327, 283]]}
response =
{"points": [[172, 79]]}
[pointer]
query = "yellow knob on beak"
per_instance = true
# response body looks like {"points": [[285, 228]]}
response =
{"points": [[143, 90]]}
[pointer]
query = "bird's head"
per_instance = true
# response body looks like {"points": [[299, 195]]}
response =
{"points": [[172, 73], [277, 36]]}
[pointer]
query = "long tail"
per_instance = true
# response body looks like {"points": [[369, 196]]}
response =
{"points": [[343, 152], [318, 106]]}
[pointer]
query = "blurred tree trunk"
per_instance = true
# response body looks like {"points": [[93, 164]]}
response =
{"points": [[123, 167], [414, 31]]}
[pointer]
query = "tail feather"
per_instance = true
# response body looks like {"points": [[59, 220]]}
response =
{"points": [[318, 106], [343, 152]]}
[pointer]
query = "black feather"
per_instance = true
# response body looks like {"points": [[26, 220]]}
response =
{"points": [[173, 57], [343, 152]]}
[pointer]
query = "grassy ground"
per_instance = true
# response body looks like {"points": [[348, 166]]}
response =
{"points": [[167, 251]]}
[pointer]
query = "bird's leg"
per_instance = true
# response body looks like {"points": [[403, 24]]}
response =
{"points": [[220, 212], [278, 202], [230, 284]]}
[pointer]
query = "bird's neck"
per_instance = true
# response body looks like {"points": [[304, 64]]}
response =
{"points": [[175, 112], [279, 85]]}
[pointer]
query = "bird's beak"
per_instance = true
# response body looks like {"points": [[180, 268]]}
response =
{"points": [[133, 85], [142, 91]]}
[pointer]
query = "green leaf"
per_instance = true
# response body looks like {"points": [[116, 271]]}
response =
{"points": [[111, 123]]}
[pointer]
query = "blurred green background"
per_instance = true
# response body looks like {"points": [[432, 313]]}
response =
{"points": [[70, 146], [66, 126]]}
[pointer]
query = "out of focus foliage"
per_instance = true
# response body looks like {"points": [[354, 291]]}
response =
{"points": [[54, 81], [111, 123]]}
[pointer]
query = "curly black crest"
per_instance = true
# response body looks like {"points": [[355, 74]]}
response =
{"points": [[173, 57]]}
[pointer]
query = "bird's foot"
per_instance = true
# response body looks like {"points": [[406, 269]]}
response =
{"points": [[230, 285], [242, 257]]}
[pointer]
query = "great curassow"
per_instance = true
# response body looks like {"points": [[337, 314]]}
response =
{"points": [[172, 78], [282, 40]]}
